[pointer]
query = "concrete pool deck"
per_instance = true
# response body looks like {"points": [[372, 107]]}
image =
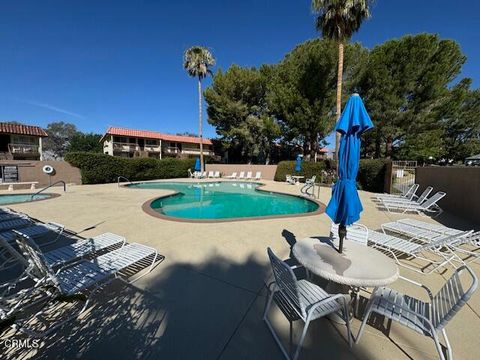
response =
{"points": [[206, 299]]}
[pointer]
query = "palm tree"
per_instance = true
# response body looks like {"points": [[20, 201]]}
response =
{"points": [[338, 20], [197, 60]]}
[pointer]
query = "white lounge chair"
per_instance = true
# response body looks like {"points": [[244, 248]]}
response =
{"points": [[35, 231], [242, 175], [425, 231], [84, 276], [258, 175], [415, 200], [232, 176], [398, 247], [408, 194], [249, 175], [428, 206], [216, 175], [210, 174], [301, 300], [355, 232], [427, 318], [71, 252], [15, 224]]}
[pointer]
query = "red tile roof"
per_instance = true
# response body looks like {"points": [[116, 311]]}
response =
{"points": [[7, 128], [154, 135]]}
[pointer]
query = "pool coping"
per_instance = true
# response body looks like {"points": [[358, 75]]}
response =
{"points": [[51, 196], [146, 206]]}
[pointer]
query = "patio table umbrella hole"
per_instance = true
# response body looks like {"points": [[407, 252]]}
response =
{"points": [[345, 207]]}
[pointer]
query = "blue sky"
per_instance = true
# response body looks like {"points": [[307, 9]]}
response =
{"points": [[119, 63]]}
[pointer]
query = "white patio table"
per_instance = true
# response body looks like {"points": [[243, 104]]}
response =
{"points": [[357, 266]]}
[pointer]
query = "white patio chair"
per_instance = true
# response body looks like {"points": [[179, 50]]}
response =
{"points": [[397, 247], [210, 174], [216, 174], [248, 176], [428, 206], [84, 276], [300, 300], [258, 175], [289, 179], [427, 318], [415, 200], [233, 176], [409, 193], [242, 175]]}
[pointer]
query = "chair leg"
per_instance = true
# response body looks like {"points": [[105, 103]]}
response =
{"points": [[438, 345], [362, 327], [368, 310], [447, 344], [302, 338], [347, 322], [270, 327]]}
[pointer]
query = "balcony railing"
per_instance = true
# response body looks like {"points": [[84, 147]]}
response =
{"points": [[127, 147], [152, 148], [23, 149], [172, 150]]}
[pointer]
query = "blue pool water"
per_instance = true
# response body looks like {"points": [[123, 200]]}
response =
{"points": [[224, 200], [20, 198]]}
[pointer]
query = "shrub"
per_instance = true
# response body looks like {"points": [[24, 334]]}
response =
{"points": [[309, 169], [371, 174], [100, 168]]}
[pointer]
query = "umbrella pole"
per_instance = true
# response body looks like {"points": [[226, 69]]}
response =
{"points": [[342, 234]]}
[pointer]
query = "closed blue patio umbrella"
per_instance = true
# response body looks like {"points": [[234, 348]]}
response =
{"points": [[198, 167], [298, 163], [345, 207]]}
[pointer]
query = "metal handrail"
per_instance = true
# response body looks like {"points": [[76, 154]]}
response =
{"points": [[49, 186], [306, 187], [122, 177]]}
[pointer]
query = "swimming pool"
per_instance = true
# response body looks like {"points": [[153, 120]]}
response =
{"points": [[21, 198], [223, 201]]}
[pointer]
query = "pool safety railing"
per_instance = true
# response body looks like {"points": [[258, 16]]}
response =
{"points": [[49, 186], [309, 189], [122, 177]]}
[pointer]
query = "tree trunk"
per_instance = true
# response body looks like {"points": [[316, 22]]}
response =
{"points": [[200, 123], [389, 147], [339, 97], [378, 143], [313, 148]]}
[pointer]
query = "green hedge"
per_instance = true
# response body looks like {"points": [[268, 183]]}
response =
{"points": [[100, 168], [308, 170], [371, 174]]}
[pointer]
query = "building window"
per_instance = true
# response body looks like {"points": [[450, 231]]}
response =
{"points": [[132, 140], [151, 142], [120, 139], [25, 140]]}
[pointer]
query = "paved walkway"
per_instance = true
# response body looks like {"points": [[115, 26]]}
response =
{"points": [[205, 301]]}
